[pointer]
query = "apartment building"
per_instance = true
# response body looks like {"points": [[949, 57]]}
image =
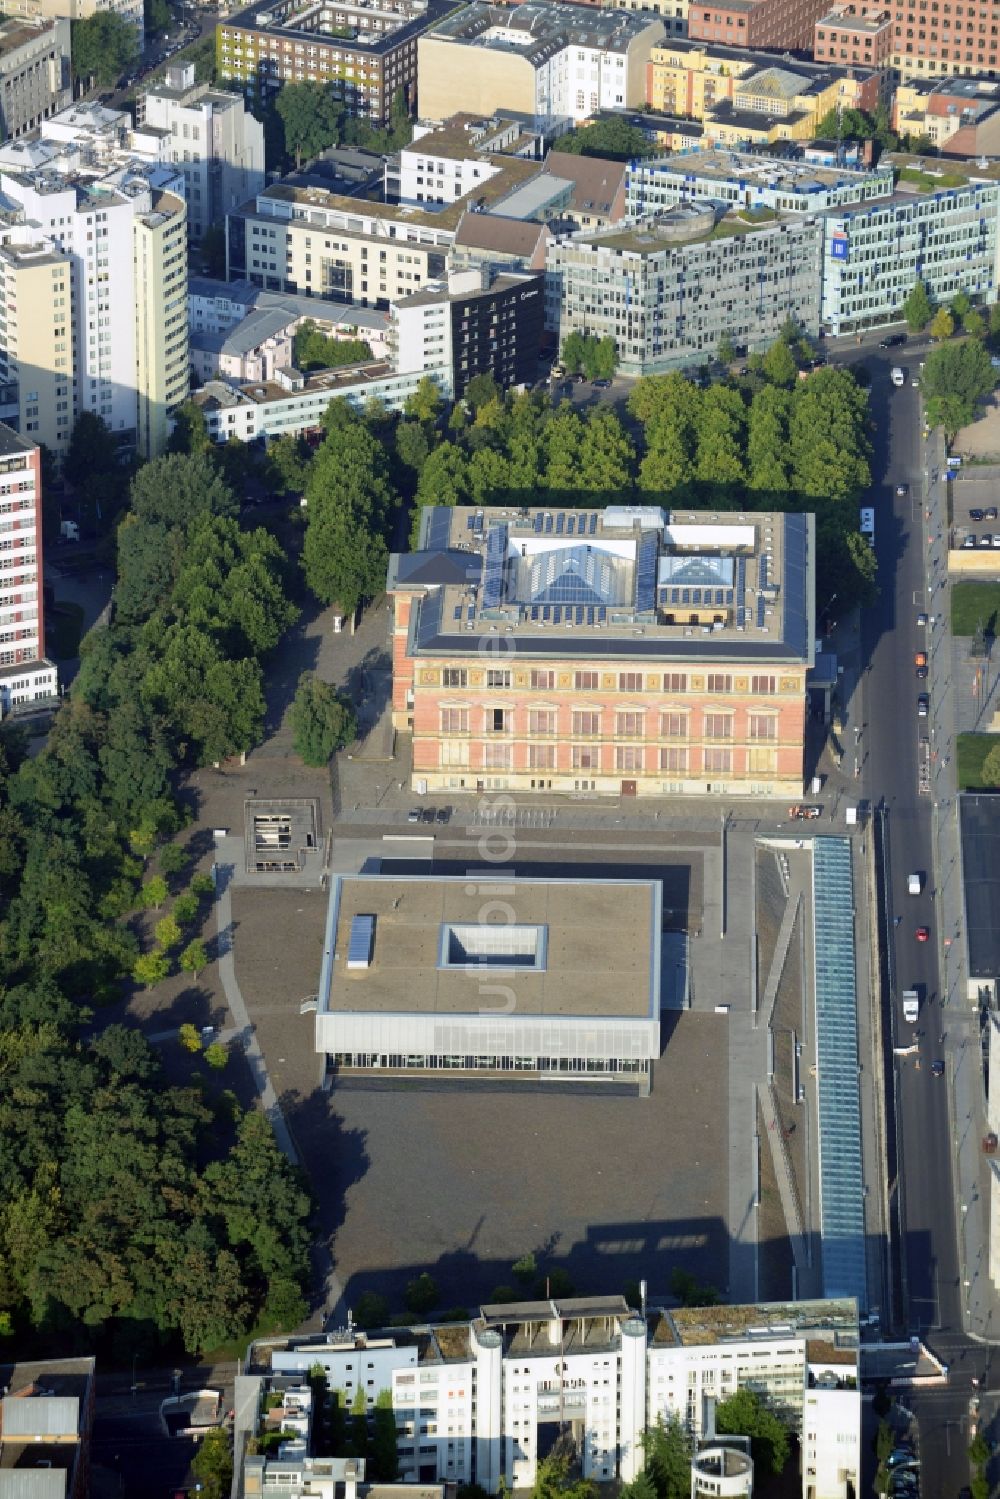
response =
{"points": [[696, 79], [93, 289], [214, 142], [35, 77], [479, 1402], [535, 58], [773, 24], [365, 51], [499, 242], [667, 288], [25, 674], [456, 159], [626, 650], [474, 322], [852, 33], [958, 116], [290, 402]]}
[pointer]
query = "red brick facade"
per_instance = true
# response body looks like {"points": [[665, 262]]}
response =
{"points": [[772, 24]]}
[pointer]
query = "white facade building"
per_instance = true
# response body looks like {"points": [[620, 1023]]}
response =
{"points": [[480, 1401], [25, 675], [214, 141]]}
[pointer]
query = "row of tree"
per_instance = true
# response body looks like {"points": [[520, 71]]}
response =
{"points": [[135, 1215]]}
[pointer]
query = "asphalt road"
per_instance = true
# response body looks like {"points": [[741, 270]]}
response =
{"points": [[928, 1263]]}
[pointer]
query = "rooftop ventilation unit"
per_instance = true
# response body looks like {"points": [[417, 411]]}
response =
{"points": [[362, 943]]}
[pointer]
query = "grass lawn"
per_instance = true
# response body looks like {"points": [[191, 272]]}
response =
{"points": [[64, 627], [972, 751], [972, 602]]}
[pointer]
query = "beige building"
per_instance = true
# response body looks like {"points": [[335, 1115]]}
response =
{"points": [[36, 300], [536, 59], [161, 322], [78, 10]]}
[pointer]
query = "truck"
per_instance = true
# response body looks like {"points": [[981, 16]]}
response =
{"points": [[898, 376], [911, 1006], [913, 883]]}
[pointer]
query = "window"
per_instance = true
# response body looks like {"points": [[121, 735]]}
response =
{"points": [[586, 757], [499, 720], [719, 682], [673, 725], [541, 757], [674, 759], [496, 756], [717, 760], [586, 681], [454, 720], [543, 681], [718, 726], [542, 721], [455, 676], [630, 681], [762, 726], [674, 681], [629, 725], [586, 722], [628, 757], [762, 684], [454, 752], [762, 761], [498, 679]]}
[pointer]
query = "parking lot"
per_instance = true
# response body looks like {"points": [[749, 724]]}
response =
{"points": [[975, 509]]}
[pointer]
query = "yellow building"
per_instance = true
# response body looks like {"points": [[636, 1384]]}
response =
{"points": [[161, 324], [36, 306]]}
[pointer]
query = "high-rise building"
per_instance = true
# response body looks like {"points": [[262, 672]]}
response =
{"points": [[476, 323], [93, 288], [215, 142], [25, 675]]}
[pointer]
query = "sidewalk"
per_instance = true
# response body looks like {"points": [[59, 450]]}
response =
{"points": [[961, 1049]]}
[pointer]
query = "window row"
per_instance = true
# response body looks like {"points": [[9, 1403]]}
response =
{"points": [[628, 758], [587, 723], [544, 680]]}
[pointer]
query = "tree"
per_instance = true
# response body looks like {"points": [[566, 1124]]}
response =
{"points": [[217, 1055], [186, 908], [104, 46], [955, 379], [480, 390], [194, 957], [288, 461], [313, 350], [746, 1414], [359, 1424], [372, 1310], [421, 1294], [918, 309], [552, 1480], [203, 884], [424, 404], [942, 325], [780, 367], [189, 1037], [151, 968], [384, 1451], [156, 16], [349, 497], [167, 932], [173, 858], [726, 352], [190, 430], [990, 771], [974, 323], [689, 1291], [667, 1451], [154, 892], [322, 720], [613, 138], [212, 1464], [525, 1269], [311, 117]]}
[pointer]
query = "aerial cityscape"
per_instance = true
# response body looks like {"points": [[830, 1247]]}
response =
{"points": [[499, 749]]}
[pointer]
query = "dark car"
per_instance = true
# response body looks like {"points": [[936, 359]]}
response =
{"points": [[976, 515], [902, 490], [893, 341], [601, 384], [443, 814], [923, 705], [938, 1069], [427, 815]]}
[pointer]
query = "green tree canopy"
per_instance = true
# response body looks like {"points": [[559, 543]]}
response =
{"points": [[746, 1414], [313, 350], [918, 308], [322, 720], [613, 138], [311, 117], [955, 379], [104, 46]]}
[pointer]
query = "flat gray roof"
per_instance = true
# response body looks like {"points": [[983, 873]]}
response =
{"points": [[601, 945], [979, 817]]}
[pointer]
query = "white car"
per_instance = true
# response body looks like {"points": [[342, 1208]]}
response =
{"points": [[914, 883]]}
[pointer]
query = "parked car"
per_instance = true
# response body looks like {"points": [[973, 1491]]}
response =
{"points": [[427, 815], [976, 515], [803, 812], [937, 1068], [986, 540], [443, 814], [601, 384], [902, 490], [922, 620], [990, 513], [920, 659], [923, 705], [923, 934], [969, 541], [413, 815], [892, 341]]}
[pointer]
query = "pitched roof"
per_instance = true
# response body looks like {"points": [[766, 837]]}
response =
{"points": [[491, 231], [596, 180]]}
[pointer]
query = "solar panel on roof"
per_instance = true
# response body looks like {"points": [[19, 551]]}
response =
{"points": [[645, 572], [602, 614], [560, 522], [557, 615], [471, 522], [539, 522], [590, 616], [547, 612], [763, 569], [741, 589], [593, 523], [362, 942], [496, 556], [761, 604], [439, 528], [570, 525]]}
